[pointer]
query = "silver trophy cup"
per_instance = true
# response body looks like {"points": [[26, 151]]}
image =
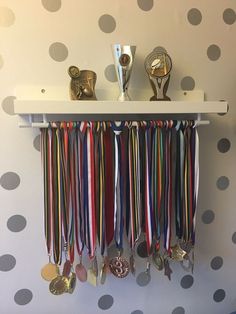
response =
{"points": [[123, 59]]}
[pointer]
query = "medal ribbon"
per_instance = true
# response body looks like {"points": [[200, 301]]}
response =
{"points": [[118, 193], [148, 177], [134, 185]]}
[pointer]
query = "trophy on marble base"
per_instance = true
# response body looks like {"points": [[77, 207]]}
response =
{"points": [[123, 59], [158, 66]]}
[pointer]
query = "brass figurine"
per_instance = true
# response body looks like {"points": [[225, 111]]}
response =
{"points": [[82, 84], [158, 65]]}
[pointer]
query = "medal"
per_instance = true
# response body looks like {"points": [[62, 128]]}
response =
{"points": [[59, 285], [71, 283], [91, 277], [119, 267], [168, 270], [66, 268], [177, 254], [132, 264], [81, 272], [158, 260], [144, 278], [50, 271], [103, 273]]}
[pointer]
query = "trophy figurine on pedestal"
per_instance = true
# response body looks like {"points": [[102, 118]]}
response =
{"points": [[123, 59], [158, 66]]}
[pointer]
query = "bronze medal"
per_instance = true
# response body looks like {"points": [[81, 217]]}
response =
{"points": [[59, 285], [81, 272], [66, 268], [119, 267], [71, 283], [50, 271]]}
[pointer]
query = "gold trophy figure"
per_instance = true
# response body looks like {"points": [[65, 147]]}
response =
{"points": [[82, 84], [158, 66]]}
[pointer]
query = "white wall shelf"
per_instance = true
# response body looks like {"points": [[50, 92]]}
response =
{"points": [[37, 105], [60, 107]]}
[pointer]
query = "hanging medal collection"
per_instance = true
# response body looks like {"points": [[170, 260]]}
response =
{"points": [[115, 182]]}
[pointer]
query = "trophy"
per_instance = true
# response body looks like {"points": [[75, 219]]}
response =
{"points": [[158, 66], [82, 84], [123, 58]]}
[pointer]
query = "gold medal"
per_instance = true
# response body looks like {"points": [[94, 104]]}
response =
{"points": [[103, 273], [71, 283], [92, 278], [59, 285], [177, 254], [119, 267], [50, 271]]}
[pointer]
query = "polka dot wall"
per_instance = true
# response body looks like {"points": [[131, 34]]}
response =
{"points": [[39, 41]]}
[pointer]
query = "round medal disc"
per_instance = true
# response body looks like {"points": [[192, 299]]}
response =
{"points": [[119, 267], [72, 283], [50, 271], [81, 272], [59, 285]]}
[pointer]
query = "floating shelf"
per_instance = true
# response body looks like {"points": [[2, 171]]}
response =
{"points": [[31, 107]]}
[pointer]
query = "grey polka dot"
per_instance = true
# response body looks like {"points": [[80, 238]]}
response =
{"points": [[16, 223], [51, 5], [8, 105], [7, 17], [219, 295], [7, 262], [105, 302], [137, 312], [142, 249], [194, 16], [208, 216], [23, 296], [187, 83], [213, 52], [178, 310], [223, 145], [216, 262], [160, 49], [1, 62], [36, 143], [229, 16], [234, 238], [222, 183], [145, 5], [233, 312], [187, 281], [10, 180], [110, 73], [143, 279], [107, 23], [58, 51]]}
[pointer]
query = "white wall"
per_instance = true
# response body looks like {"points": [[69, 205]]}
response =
{"points": [[202, 46]]}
